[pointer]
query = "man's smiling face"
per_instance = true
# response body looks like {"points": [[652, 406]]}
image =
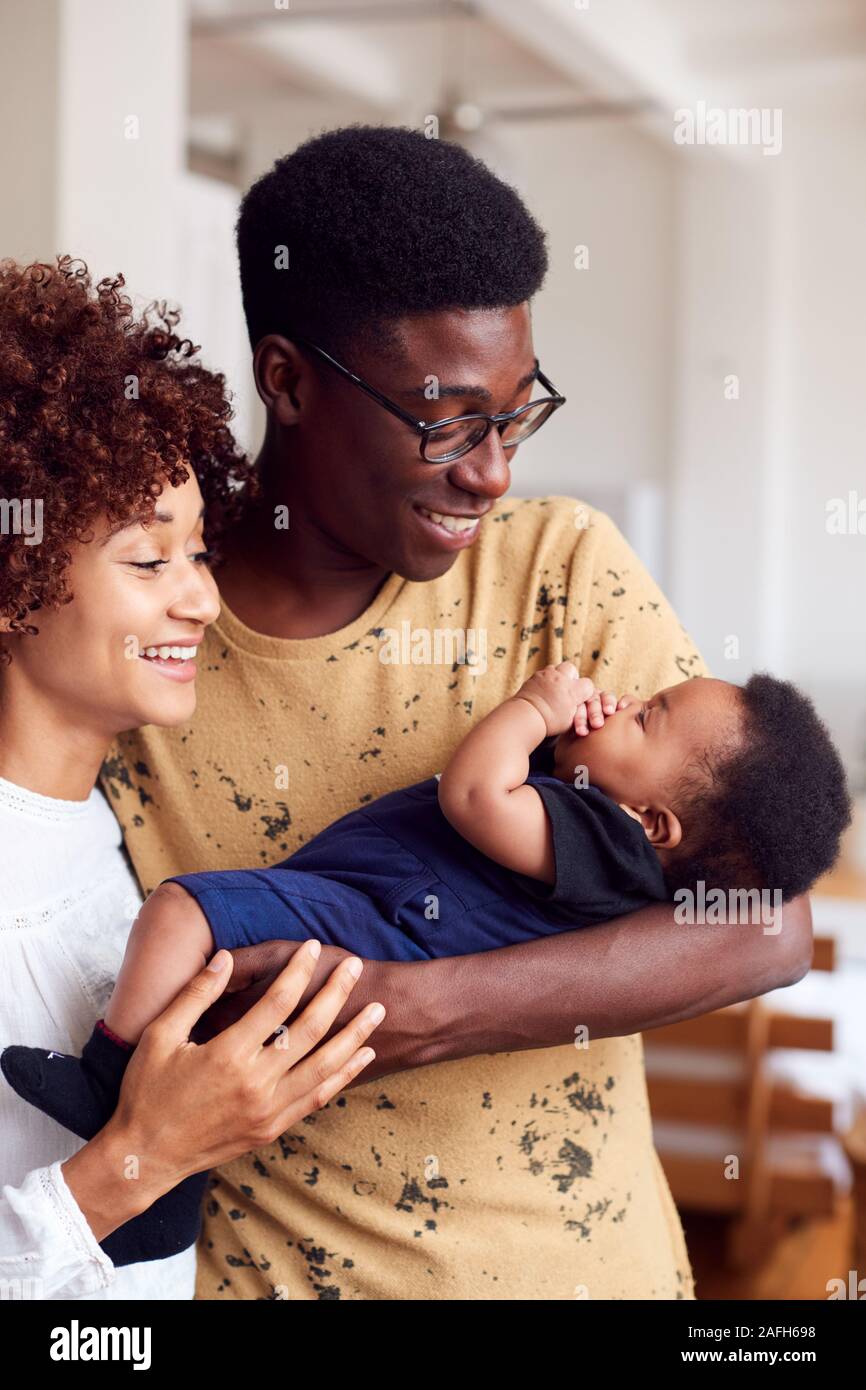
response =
{"points": [[364, 480], [639, 755]]}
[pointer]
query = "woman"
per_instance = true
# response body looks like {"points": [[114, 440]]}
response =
{"points": [[117, 472]]}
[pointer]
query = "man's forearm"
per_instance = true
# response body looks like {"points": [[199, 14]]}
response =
{"points": [[626, 976]]}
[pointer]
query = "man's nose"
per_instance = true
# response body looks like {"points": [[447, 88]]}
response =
{"points": [[485, 470]]}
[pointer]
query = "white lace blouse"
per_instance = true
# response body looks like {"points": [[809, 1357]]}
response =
{"points": [[67, 899]]}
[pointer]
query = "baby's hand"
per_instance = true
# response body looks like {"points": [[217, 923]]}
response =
{"points": [[557, 692], [593, 713]]}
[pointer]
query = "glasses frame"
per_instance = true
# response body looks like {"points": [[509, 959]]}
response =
{"points": [[425, 428]]}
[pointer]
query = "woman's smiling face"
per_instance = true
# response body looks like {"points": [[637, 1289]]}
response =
{"points": [[135, 590]]}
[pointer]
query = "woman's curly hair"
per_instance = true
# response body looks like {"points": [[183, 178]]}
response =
{"points": [[100, 408]]}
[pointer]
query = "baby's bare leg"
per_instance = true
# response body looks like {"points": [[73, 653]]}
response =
{"points": [[170, 941]]}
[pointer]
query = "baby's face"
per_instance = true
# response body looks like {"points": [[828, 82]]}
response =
{"points": [[640, 753]]}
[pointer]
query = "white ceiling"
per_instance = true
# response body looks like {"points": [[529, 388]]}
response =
{"points": [[412, 58], [402, 59], [771, 29]]}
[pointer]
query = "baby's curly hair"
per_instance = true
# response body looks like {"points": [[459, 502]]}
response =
{"points": [[100, 408], [771, 813]]}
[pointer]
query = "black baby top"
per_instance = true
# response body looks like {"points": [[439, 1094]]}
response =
{"points": [[605, 865]]}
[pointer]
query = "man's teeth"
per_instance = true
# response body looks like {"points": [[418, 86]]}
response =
{"points": [[178, 653], [451, 523]]}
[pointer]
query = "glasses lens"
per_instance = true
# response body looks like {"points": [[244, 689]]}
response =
{"points": [[518, 430], [454, 439]]}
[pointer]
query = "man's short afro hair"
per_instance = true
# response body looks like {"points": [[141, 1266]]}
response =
{"points": [[379, 223], [771, 814]]}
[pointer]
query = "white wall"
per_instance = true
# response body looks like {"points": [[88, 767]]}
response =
{"points": [[722, 523], [823, 622], [603, 334], [211, 301], [771, 286], [93, 97]]}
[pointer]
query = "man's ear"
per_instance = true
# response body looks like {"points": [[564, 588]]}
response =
{"points": [[277, 367], [663, 828]]}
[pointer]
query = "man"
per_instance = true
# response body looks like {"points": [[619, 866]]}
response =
{"points": [[387, 282]]}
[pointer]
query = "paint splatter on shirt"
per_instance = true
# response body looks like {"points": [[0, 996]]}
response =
{"points": [[529, 1174]]}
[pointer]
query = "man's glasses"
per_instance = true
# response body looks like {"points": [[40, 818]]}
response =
{"points": [[444, 440]]}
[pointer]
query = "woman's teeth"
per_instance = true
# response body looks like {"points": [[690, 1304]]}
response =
{"points": [[164, 653], [451, 523]]}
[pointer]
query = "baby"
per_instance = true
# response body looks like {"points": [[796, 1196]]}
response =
{"points": [[538, 824]]}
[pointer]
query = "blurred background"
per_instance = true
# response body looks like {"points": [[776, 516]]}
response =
{"points": [[705, 314]]}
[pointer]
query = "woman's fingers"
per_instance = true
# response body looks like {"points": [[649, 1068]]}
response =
{"points": [[177, 1021], [254, 968], [280, 1001], [320, 1067], [324, 1091], [294, 1040]]}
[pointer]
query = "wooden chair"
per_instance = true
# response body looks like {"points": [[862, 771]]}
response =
{"points": [[748, 1144]]}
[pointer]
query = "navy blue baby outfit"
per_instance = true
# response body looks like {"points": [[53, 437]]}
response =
{"points": [[393, 880]]}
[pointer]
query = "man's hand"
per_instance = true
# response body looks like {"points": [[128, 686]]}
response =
{"points": [[254, 969], [626, 976], [418, 1019]]}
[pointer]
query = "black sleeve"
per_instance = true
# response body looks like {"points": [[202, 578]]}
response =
{"points": [[605, 865]]}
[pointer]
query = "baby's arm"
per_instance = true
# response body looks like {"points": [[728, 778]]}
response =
{"points": [[169, 943], [482, 792]]}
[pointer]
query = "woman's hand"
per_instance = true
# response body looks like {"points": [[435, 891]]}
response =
{"points": [[185, 1107], [254, 969]]}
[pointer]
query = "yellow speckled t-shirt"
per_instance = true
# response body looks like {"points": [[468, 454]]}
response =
{"points": [[522, 1175]]}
